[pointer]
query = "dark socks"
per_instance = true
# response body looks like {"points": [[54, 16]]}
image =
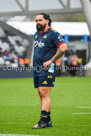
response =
{"points": [[48, 117], [43, 116]]}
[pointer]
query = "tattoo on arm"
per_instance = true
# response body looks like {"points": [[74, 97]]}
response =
{"points": [[58, 55]]}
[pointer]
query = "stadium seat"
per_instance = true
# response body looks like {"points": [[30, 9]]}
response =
{"points": [[2, 62], [15, 46]]}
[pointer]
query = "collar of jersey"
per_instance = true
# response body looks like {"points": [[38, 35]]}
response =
{"points": [[44, 32]]}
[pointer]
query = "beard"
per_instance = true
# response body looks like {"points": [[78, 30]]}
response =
{"points": [[40, 27]]}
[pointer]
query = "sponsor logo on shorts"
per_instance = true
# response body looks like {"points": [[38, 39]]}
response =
{"points": [[45, 82], [50, 77]]}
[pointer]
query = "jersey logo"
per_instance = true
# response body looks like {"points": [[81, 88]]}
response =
{"points": [[60, 38], [45, 82], [36, 36], [45, 36], [39, 44]]}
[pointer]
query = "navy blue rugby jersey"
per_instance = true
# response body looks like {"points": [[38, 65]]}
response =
{"points": [[45, 46]]}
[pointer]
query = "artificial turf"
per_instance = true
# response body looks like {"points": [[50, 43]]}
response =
{"points": [[70, 112]]}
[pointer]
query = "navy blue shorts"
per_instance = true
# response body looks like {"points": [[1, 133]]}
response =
{"points": [[46, 81]]}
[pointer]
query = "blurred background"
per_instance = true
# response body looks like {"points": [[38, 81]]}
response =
{"points": [[71, 18]]}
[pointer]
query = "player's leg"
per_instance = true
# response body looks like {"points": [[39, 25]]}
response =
{"points": [[45, 83], [49, 123], [44, 87], [43, 117], [45, 105], [44, 93], [36, 85], [38, 89], [45, 98]]}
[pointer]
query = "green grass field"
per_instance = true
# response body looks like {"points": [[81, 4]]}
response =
{"points": [[71, 107]]}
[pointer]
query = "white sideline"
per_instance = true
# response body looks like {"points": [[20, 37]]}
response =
{"points": [[83, 107], [17, 135], [81, 113]]}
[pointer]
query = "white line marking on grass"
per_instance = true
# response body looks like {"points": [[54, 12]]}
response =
{"points": [[83, 107], [17, 135], [81, 113], [84, 125]]}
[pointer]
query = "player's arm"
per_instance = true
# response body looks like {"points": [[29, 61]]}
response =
{"points": [[60, 52]]}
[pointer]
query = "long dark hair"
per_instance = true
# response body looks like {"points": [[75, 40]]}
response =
{"points": [[47, 17]]}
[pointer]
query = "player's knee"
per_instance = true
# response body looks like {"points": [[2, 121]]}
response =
{"points": [[44, 93]]}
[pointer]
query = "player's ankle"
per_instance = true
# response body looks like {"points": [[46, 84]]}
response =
{"points": [[43, 116], [48, 117]]}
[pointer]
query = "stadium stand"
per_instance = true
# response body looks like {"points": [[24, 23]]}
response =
{"points": [[13, 49]]}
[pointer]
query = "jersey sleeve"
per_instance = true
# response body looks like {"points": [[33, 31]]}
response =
{"points": [[57, 39]]}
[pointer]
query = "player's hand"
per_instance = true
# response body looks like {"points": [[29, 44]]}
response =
{"points": [[47, 63]]}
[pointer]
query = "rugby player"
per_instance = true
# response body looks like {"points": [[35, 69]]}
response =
{"points": [[48, 47]]}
